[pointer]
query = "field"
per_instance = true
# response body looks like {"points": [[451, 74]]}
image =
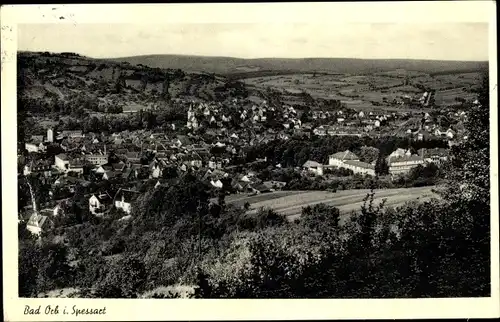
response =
{"points": [[290, 203]]}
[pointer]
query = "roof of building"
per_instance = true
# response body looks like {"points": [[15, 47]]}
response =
{"points": [[37, 220], [360, 164], [118, 166], [37, 138], [312, 164], [110, 174], [62, 156], [406, 158], [76, 163], [40, 164], [103, 197], [434, 152], [261, 187], [128, 195], [345, 155], [133, 154]]}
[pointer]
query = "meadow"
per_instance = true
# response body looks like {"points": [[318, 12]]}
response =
{"points": [[290, 203]]}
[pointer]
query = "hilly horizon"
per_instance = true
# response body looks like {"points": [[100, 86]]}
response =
{"points": [[240, 66], [252, 67]]}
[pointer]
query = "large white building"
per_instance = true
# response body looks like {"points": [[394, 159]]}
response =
{"points": [[349, 160], [339, 158], [61, 162], [403, 164], [34, 147], [65, 164], [97, 159]]}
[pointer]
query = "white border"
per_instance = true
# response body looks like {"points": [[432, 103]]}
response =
{"points": [[433, 11]]}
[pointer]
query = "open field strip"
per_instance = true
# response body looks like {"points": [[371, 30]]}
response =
{"points": [[346, 201], [240, 199]]}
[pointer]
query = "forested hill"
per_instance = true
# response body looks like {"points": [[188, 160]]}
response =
{"points": [[231, 65], [67, 77]]}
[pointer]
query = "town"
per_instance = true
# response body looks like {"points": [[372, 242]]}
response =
{"points": [[215, 151], [156, 177]]}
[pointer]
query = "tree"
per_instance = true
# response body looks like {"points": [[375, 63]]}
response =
{"points": [[368, 154], [92, 125], [54, 270], [381, 166], [320, 217], [124, 280], [29, 261], [468, 185]]}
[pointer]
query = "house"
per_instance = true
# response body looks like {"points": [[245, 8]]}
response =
{"points": [[403, 164], [133, 157], [240, 186], [161, 183], [44, 167], [314, 167], [124, 199], [274, 185], [217, 184], [359, 167], [260, 188], [72, 134], [422, 135], [194, 160], [97, 159], [118, 167], [108, 175], [70, 182], [38, 223], [35, 147], [349, 160], [320, 131], [156, 169], [61, 162], [398, 153], [339, 158], [99, 203], [76, 165], [57, 210], [450, 134], [37, 139], [104, 168], [437, 155], [214, 164]]}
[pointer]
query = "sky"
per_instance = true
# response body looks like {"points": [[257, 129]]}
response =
{"points": [[438, 41]]}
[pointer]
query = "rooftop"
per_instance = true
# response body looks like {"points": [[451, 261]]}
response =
{"points": [[344, 156]]}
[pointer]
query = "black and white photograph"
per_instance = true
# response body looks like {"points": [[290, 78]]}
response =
{"points": [[252, 160]]}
